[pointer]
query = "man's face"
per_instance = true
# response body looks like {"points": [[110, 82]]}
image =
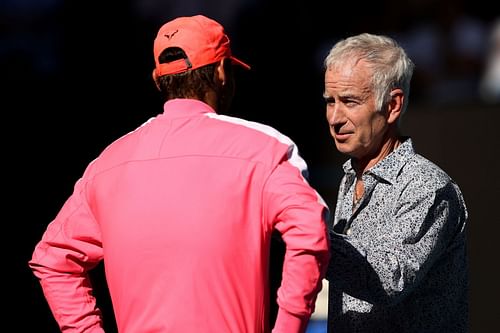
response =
{"points": [[356, 125]]}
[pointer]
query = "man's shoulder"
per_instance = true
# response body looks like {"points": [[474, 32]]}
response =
{"points": [[423, 173], [418, 166], [252, 126]]}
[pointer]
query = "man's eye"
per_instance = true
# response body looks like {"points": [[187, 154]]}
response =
{"points": [[351, 102]]}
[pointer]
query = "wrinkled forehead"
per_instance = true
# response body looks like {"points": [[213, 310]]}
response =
{"points": [[348, 77]]}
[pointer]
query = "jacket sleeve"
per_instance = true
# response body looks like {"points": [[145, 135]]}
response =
{"points": [[297, 211], [70, 246]]}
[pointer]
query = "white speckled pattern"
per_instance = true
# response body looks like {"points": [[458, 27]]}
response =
{"points": [[399, 260]]}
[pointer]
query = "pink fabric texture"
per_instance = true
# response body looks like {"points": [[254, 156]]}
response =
{"points": [[181, 210]]}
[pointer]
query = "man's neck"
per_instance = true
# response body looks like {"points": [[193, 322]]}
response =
{"points": [[363, 164]]}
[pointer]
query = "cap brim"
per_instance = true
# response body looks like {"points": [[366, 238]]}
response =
{"points": [[239, 62]]}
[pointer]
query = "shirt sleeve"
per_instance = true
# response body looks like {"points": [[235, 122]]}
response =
{"points": [[393, 265], [297, 211], [70, 246]]}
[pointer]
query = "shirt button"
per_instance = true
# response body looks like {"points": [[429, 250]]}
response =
{"points": [[348, 232]]}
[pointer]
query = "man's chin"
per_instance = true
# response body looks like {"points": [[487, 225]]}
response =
{"points": [[343, 148]]}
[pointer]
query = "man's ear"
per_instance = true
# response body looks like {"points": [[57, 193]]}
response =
{"points": [[395, 106], [221, 72], [155, 79]]}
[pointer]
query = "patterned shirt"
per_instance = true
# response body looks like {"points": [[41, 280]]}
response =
{"points": [[399, 259]]}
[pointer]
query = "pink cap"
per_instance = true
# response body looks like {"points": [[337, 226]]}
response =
{"points": [[202, 39]]}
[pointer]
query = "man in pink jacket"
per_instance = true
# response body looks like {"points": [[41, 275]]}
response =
{"points": [[182, 210]]}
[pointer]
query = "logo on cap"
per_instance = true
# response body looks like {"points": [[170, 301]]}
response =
{"points": [[171, 35]]}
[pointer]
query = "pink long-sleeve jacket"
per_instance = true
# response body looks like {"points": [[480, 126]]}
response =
{"points": [[181, 210]]}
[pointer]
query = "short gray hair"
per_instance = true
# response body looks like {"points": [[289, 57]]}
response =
{"points": [[392, 68]]}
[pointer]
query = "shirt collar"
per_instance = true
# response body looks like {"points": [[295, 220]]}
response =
{"points": [[390, 166], [182, 107]]}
